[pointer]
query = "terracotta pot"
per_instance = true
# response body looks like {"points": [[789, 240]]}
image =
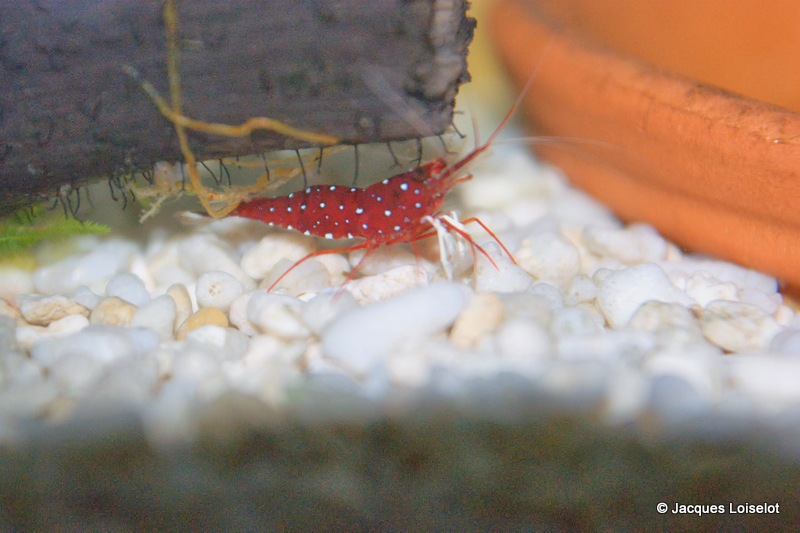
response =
{"points": [[716, 172]]}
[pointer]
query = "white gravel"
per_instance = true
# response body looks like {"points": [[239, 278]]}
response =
{"points": [[607, 317]]}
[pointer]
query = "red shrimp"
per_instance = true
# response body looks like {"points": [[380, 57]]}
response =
{"points": [[393, 211]]}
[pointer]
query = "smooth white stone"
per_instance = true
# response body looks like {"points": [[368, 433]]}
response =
{"points": [[216, 288], [14, 281], [635, 244], [233, 343], [504, 277], [128, 287], [277, 314], [102, 343], [550, 257], [580, 289], [183, 303], [382, 259], [522, 340], [92, 269], [573, 321], [737, 327], [624, 291], [158, 315], [391, 283], [770, 380], [86, 297], [308, 277], [787, 341], [361, 338], [325, 307], [704, 288], [202, 253], [27, 336], [259, 260]]}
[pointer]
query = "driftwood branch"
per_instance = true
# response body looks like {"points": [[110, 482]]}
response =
{"points": [[361, 70]]}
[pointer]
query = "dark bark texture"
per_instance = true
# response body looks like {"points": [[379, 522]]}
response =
{"points": [[361, 70]]}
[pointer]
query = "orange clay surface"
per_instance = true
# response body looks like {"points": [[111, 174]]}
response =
{"points": [[715, 172]]}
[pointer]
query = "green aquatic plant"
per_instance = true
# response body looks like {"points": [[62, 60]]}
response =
{"points": [[26, 228]]}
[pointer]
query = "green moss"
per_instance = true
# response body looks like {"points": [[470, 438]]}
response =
{"points": [[21, 231]]}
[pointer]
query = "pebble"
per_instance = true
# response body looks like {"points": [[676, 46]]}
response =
{"points": [[599, 317], [482, 316], [737, 327], [636, 243], [549, 257], [504, 276], [522, 340], [86, 297], [260, 259], [201, 253], [218, 289], [203, 317], [391, 283], [310, 276], [27, 336], [112, 311], [277, 314], [93, 269], [128, 287], [158, 315], [324, 308], [41, 310], [233, 343], [622, 292], [362, 337], [101, 344], [183, 302]]}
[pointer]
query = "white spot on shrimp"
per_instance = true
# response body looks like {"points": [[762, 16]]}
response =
{"points": [[418, 205], [308, 190], [329, 235], [397, 228], [378, 198], [404, 186], [349, 235], [289, 209], [387, 213], [353, 189], [303, 207], [322, 205], [291, 195], [416, 191], [364, 226], [306, 232], [359, 210], [341, 207], [289, 226], [332, 188], [271, 209], [386, 181], [270, 223]]}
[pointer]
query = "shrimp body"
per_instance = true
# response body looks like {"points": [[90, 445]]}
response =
{"points": [[387, 212]]}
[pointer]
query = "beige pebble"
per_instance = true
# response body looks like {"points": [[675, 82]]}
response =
{"points": [[737, 327], [42, 310], [482, 316], [183, 303], [203, 317], [112, 311]]}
